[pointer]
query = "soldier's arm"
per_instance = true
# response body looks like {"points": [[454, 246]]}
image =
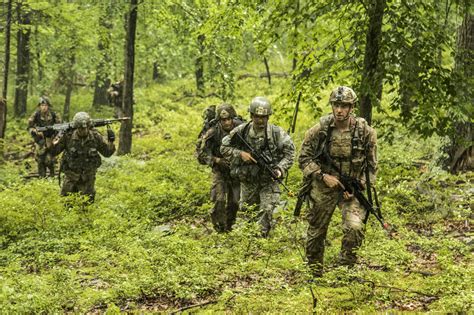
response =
{"points": [[31, 122], [228, 150], [307, 160], [106, 148], [58, 119], [205, 153], [58, 145], [288, 148]]}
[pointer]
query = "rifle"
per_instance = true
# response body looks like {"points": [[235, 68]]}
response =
{"points": [[263, 163], [64, 127], [353, 186], [303, 191]]}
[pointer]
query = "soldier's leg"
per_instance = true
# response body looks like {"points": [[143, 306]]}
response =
{"points": [[233, 197], [323, 201], [87, 186], [50, 160], [69, 185], [218, 196], [353, 215], [41, 160], [249, 195], [269, 200]]}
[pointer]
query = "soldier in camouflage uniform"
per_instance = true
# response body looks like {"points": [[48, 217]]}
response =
{"points": [[225, 191], [340, 144], [42, 117], [81, 158], [115, 96], [257, 186]]}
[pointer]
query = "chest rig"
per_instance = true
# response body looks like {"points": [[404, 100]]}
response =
{"points": [[344, 153]]}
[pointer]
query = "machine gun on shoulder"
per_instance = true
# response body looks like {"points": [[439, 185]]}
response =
{"points": [[264, 163], [60, 129]]}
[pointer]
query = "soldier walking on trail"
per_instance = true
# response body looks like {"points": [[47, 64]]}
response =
{"points": [[42, 117], [82, 145], [339, 145], [258, 187], [225, 191]]}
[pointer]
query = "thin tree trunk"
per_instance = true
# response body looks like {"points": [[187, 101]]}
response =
{"points": [[267, 68], [125, 143], [6, 67], [102, 80], [199, 64], [371, 85], [156, 71], [23, 64], [69, 87]]}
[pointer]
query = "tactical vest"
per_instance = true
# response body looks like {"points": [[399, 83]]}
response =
{"points": [[81, 156], [271, 148], [357, 143]]}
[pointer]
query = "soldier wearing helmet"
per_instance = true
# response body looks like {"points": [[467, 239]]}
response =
{"points": [[225, 191], [42, 117], [257, 186], [81, 146], [341, 144]]}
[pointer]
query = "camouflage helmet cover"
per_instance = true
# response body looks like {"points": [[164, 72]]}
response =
{"points": [[343, 94], [226, 111], [81, 119], [44, 100], [260, 106]]}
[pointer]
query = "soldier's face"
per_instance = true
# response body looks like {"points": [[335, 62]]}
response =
{"points": [[227, 124], [44, 107], [259, 121], [341, 111], [82, 131]]}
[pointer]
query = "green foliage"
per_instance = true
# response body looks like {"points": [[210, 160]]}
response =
{"points": [[147, 244]]}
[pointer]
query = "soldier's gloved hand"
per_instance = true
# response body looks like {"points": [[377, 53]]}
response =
{"points": [[110, 135], [278, 172]]}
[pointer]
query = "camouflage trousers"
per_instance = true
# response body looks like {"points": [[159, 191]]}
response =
{"points": [[45, 160], [323, 201], [79, 183], [266, 196], [225, 194]]}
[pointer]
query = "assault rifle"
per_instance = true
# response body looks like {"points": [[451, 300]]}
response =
{"points": [[304, 190], [64, 127], [264, 163], [354, 186]]}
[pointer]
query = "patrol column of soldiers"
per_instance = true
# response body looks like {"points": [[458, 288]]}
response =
{"points": [[82, 145], [225, 191], [42, 117], [257, 186], [340, 144]]}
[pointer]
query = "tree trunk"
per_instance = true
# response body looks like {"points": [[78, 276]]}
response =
{"points": [[69, 87], [6, 68], [460, 150], [125, 143], [199, 64], [267, 69], [23, 64], [102, 80], [371, 84], [409, 83], [156, 71]]}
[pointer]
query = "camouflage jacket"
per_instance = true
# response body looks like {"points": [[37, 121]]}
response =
{"points": [[81, 154], [351, 151], [39, 120], [274, 143], [211, 142]]}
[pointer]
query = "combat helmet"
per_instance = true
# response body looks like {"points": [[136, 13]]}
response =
{"points": [[260, 106], [226, 111], [81, 119], [44, 100], [343, 94]]}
